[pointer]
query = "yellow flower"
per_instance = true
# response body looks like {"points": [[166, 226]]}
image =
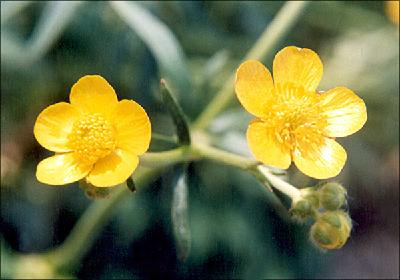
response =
{"points": [[294, 121], [93, 136], [392, 11]]}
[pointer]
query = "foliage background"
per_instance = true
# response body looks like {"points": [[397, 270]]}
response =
{"points": [[236, 233]]}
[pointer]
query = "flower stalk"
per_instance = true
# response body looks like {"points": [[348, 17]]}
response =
{"points": [[96, 216], [208, 152], [159, 159], [282, 186], [84, 233]]}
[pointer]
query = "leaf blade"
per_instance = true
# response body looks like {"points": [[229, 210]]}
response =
{"points": [[54, 19], [179, 216], [177, 114], [11, 8], [161, 42]]}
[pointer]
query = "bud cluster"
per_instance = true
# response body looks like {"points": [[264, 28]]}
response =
{"points": [[332, 196], [323, 203], [306, 206]]}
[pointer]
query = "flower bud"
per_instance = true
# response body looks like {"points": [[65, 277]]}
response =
{"points": [[311, 196], [331, 230], [93, 192], [332, 196], [301, 209], [306, 206]]}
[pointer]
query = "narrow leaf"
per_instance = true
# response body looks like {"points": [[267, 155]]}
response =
{"points": [[12, 49], [215, 64], [161, 42], [180, 219], [55, 17], [131, 184], [11, 8], [53, 20], [177, 114]]}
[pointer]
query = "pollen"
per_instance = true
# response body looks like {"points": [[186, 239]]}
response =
{"points": [[92, 137], [295, 120]]}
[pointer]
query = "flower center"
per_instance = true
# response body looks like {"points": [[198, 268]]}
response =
{"points": [[295, 118], [92, 137]]}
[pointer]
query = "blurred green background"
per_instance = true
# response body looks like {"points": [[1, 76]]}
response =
{"points": [[236, 232]]}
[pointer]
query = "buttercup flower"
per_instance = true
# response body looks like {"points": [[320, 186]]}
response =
{"points": [[95, 136], [392, 11], [294, 121]]}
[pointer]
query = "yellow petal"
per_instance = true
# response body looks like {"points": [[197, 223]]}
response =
{"points": [[254, 86], [299, 67], [344, 111], [93, 94], [320, 158], [132, 126], [53, 126], [61, 169], [114, 169], [392, 11], [265, 146]]}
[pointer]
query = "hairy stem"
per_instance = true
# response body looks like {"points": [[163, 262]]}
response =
{"points": [[164, 138], [282, 186], [86, 230], [159, 159], [96, 216], [224, 157], [261, 172]]}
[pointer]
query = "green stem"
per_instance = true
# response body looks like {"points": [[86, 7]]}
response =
{"points": [[159, 159], [164, 138], [84, 233], [86, 229], [82, 236], [273, 33], [227, 158], [282, 186], [258, 170]]}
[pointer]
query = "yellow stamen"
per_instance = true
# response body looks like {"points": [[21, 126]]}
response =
{"points": [[295, 119], [92, 137]]}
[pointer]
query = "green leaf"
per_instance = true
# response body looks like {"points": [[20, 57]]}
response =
{"points": [[179, 215], [161, 42], [7, 260], [214, 65], [12, 49], [54, 19], [131, 184], [11, 8], [177, 114]]}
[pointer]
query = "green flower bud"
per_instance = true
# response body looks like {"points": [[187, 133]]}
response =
{"points": [[311, 196], [331, 230], [302, 209], [332, 196], [93, 192]]}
